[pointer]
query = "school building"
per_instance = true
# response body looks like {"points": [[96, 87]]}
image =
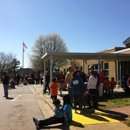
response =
{"points": [[112, 68], [115, 61]]}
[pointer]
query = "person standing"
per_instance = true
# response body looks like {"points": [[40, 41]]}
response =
{"points": [[91, 68], [128, 82], [77, 90], [92, 91], [107, 86], [113, 85], [54, 89], [69, 75], [47, 81], [5, 81], [60, 80], [18, 79], [68, 79], [41, 78]]}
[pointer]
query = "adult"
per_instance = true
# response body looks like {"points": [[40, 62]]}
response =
{"points": [[128, 85], [102, 76], [69, 75], [47, 81], [18, 79], [66, 108], [33, 77], [77, 90], [92, 91], [128, 82], [68, 79], [5, 81], [60, 81], [22, 77], [36, 78], [91, 68], [41, 78]]}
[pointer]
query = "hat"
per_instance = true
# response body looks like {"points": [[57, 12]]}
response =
{"points": [[56, 101], [91, 66]]}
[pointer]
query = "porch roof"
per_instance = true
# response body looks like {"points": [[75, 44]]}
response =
{"points": [[87, 56]]}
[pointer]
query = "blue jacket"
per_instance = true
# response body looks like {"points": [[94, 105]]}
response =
{"points": [[77, 85]]}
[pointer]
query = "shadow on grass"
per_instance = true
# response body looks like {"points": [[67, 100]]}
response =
{"points": [[113, 114]]}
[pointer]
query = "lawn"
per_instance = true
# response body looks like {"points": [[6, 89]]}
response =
{"points": [[121, 99]]}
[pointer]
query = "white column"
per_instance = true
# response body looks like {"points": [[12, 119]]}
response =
{"points": [[82, 65], [99, 64], [51, 68], [44, 71], [117, 73]]}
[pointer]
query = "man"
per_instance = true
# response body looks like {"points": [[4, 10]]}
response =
{"points": [[91, 68], [60, 81], [5, 81], [69, 75], [68, 78], [47, 81]]}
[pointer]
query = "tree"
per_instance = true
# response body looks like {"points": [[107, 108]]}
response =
{"points": [[6, 61], [49, 43], [15, 65]]}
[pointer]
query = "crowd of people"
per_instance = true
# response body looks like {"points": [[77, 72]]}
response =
{"points": [[77, 83]]}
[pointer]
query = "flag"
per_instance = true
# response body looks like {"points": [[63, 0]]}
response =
{"points": [[24, 46]]}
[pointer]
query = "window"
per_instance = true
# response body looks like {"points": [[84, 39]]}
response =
{"points": [[106, 66], [106, 69], [81, 68]]}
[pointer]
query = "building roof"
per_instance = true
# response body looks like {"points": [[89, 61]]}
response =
{"points": [[127, 40], [121, 51], [87, 56]]}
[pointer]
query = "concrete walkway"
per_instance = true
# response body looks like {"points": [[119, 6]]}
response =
{"points": [[100, 120]]}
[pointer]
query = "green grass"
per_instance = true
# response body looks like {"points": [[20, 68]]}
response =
{"points": [[121, 99], [115, 103]]}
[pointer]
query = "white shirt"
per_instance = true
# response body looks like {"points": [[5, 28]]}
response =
{"points": [[92, 82]]}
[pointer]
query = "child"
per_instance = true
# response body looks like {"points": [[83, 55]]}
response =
{"points": [[107, 86], [113, 84], [62, 115], [54, 89], [58, 112], [57, 118]]}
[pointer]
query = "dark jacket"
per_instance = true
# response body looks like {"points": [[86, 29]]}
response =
{"points": [[5, 79], [47, 78], [77, 85]]}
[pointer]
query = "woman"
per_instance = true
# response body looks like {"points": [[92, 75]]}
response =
{"points": [[47, 81], [92, 91], [77, 90], [61, 117]]}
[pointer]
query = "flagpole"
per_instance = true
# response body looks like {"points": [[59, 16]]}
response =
{"points": [[23, 57]]}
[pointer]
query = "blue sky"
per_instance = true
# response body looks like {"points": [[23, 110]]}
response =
{"points": [[85, 25]]}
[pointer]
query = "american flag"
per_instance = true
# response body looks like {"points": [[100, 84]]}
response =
{"points": [[24, 46]]}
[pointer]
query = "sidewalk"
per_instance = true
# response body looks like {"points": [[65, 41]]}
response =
{"points": [[100, 120]]}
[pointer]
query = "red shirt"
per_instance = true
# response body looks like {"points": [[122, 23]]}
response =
{"points": [[54, 89], [60, 78], [107, 84], [113, 84]]}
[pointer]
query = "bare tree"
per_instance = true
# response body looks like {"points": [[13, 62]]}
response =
{"points": [[6, 61], [49, 43]]}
